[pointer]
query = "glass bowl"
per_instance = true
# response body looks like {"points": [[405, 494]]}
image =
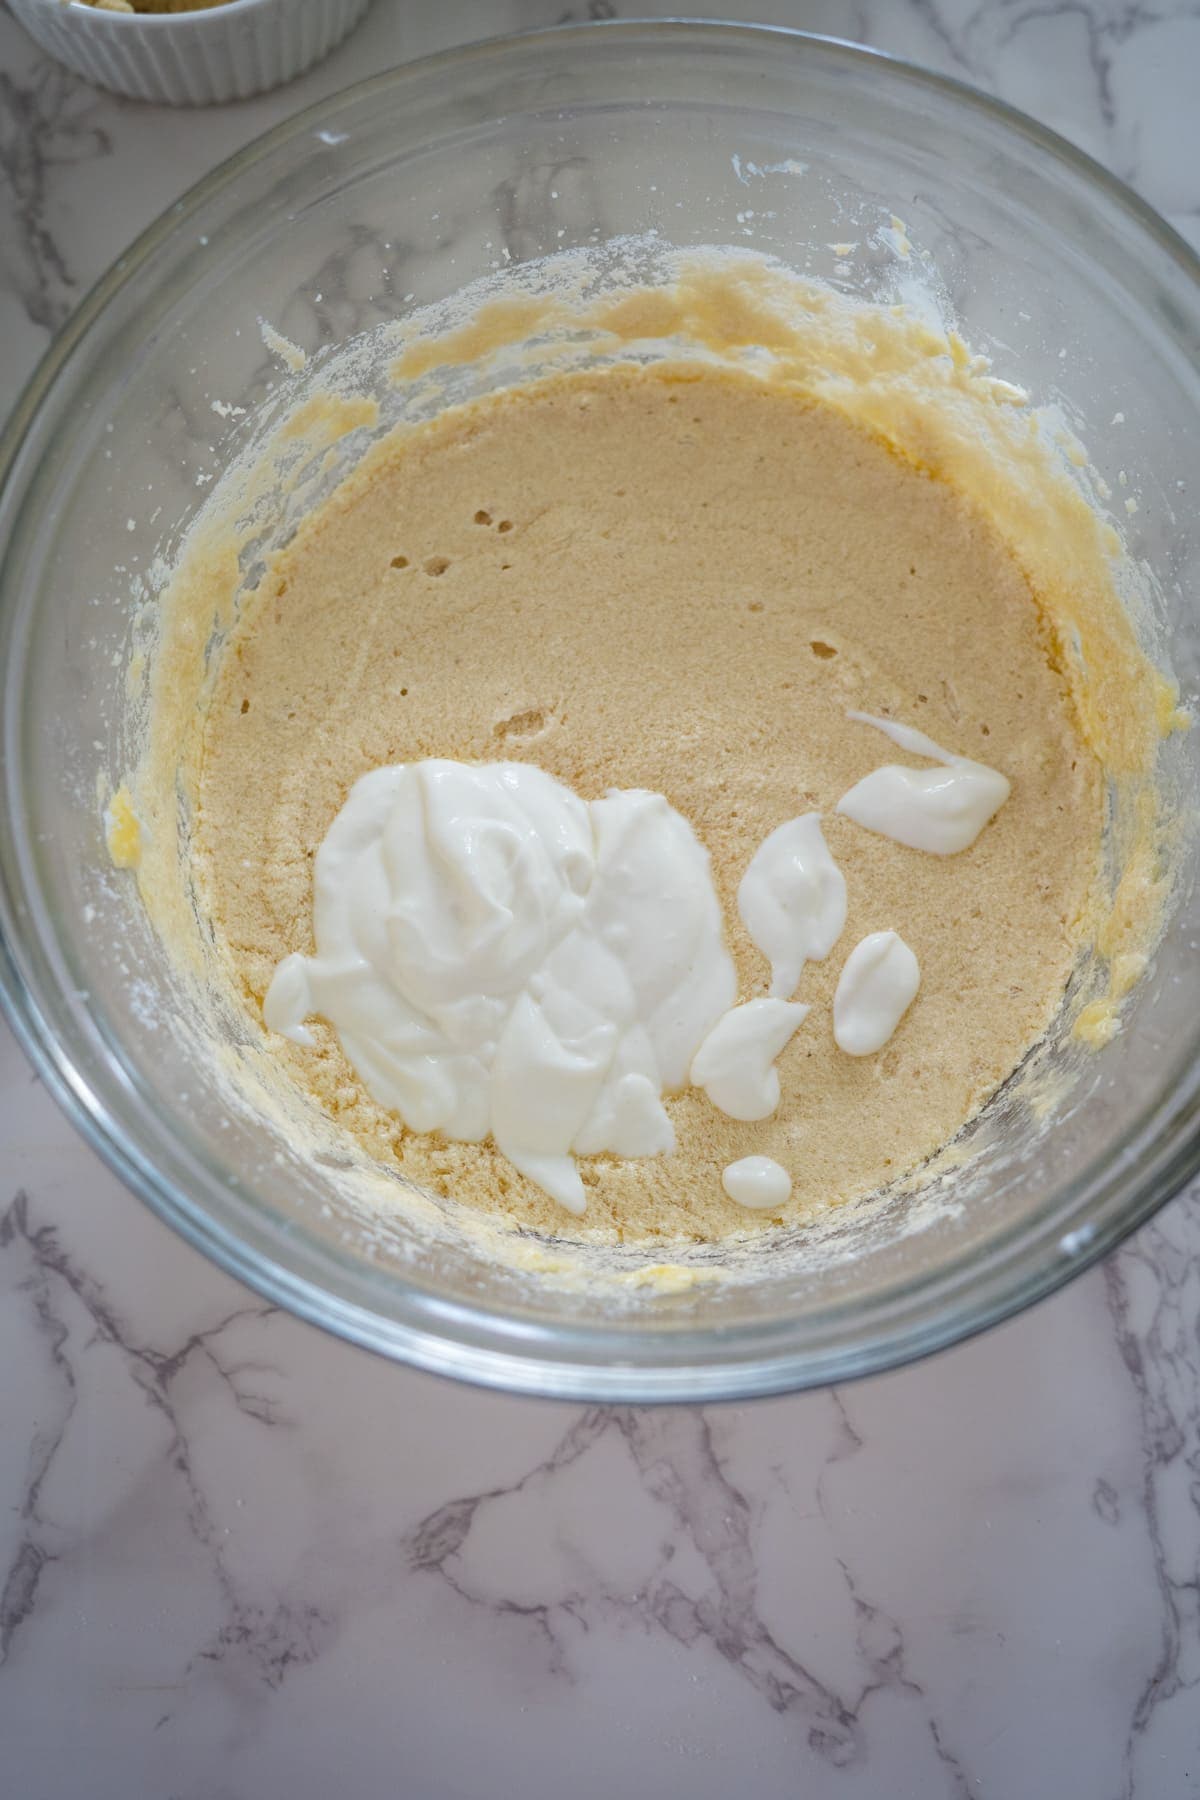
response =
{"points": [[393, 195]]}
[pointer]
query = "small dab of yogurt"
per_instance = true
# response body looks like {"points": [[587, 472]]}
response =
{"points": [[792, 900], [757, 1182], [735, 1065], [940, 810], [876, 988]]}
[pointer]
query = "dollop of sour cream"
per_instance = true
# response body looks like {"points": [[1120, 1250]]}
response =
{"points": [[876, 987], [792, 900], [940, 810], [758, 1182], [498, 956], [735, 1065]]}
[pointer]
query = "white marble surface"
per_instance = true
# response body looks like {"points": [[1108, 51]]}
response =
{"points": [[240, 1559]]}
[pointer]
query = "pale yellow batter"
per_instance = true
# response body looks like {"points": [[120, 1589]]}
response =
{"points": [[678, 579]]}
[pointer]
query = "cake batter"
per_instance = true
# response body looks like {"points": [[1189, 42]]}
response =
{"points": [[681, 579]]}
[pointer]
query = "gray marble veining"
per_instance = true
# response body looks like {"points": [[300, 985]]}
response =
{"points": [[240, 1559]]}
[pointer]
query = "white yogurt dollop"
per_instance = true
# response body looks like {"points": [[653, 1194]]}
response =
{"points": [[875, 989], [498, 956], [735, 1065], [940, 810], [757, 1181], [792, 900]]}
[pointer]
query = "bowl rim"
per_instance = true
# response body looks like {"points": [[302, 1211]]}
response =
{"points": [[1176, 1155]]}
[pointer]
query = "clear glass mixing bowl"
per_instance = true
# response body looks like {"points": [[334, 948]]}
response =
{"points": [[395, 194]]}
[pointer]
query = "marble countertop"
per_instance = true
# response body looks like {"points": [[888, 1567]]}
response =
{"points": [[240, 1559]]}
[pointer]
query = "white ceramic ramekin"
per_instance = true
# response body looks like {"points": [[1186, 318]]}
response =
{"points": [[226, 52]]}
